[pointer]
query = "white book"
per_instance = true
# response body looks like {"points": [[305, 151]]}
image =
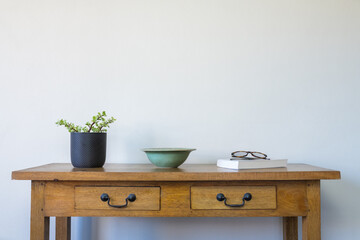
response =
{"points": [[251, 164]]}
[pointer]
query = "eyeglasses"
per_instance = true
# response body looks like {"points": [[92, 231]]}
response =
{"points": [[243, 154]]}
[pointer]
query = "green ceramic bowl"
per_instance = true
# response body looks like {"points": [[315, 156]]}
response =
{"points": [[167, 157]]}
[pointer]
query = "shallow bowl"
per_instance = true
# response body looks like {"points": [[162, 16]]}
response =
{"points": [[167, 157]]}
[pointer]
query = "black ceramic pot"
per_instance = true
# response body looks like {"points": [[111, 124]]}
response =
{"points": [[88, 150]]}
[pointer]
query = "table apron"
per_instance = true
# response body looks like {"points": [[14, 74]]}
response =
{"points": [[175, 199]]}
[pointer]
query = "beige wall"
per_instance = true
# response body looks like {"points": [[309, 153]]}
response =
{"points": [[278, 76]]}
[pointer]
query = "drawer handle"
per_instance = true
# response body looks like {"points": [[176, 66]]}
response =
{"points": [[105, 197], [221, 197]]}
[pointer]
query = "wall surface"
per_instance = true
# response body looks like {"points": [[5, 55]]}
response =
{"points": [[280, 76]]}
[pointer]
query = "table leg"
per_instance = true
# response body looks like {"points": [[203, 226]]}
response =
{"points": [[63, 228], [311, 224], [290, 228], [39, 225]]}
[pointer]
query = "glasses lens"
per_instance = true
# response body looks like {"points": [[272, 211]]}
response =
{"points": [[258, 155], [239, 154]]}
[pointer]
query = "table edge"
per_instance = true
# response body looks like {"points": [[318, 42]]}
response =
{"points": [[177, 176]]}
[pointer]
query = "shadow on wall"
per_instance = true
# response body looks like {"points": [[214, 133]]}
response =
{"points": [[82, 228], [110, 228]]}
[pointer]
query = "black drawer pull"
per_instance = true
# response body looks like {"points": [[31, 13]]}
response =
{"points": [[105, 197], [221, 197]]}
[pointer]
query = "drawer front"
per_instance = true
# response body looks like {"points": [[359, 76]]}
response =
{"points": [[263, 197], [88, 197]]}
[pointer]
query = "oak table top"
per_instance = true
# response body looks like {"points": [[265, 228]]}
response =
{"points": [[186, 172]]}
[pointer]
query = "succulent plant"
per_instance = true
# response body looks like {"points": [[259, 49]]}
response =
{"points": [[98, 124]]}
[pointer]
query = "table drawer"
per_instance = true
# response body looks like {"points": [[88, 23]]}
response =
{"points": [[88, 197], [205, 197]]}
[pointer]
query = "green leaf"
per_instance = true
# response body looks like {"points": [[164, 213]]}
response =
{"points": [[99, 124]]}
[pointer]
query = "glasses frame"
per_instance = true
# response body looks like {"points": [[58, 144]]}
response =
{"points": [[247, 153]]}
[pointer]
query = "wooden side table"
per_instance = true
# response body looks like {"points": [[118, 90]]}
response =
{"points": [[142, 190]]}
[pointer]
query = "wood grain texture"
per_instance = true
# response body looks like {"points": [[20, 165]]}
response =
{"points": [[263, 197], [88, 197], [290, 228], [311, 223], [175, 199], [186, 172], [39, 225], [63, 228], [189, 191], [59, 198]]}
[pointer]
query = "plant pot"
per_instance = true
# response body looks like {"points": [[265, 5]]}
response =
{"points": [[88, 150]]}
